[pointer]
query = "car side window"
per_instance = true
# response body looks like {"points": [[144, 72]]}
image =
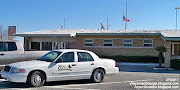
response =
{"points": [[11, 46], [1, 46], [8, 46], [66, 57], [84, 56]]}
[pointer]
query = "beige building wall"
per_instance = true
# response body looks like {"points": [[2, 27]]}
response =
{"points": [[137, 49], [167, 54]]}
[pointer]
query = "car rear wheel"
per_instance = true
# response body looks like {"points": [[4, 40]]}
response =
{"points": [[36, 79], [97, 76]]}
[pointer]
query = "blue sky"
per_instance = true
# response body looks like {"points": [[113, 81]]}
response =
{"points": [[35, 15]]}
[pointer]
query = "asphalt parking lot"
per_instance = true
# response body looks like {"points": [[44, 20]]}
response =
{"points": [[138, 79]]}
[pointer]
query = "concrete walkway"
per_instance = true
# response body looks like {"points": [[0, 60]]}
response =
{"points": [[142, 67]]}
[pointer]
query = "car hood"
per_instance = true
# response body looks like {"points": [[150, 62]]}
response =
{"points": [[29, 63]]}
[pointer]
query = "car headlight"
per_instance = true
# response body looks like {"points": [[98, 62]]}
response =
{"points": [[17, 70]]}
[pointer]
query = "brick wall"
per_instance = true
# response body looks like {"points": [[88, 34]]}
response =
{"points": [[167, 54], [118, 48], [96, 42]]}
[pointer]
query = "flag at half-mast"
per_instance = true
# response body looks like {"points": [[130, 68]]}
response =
{"points": [[125, 19]]}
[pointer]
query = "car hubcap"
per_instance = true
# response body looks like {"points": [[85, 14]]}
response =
{"points": [[98, 76], [37, 80]]}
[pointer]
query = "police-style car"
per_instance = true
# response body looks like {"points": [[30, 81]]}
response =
{"points": [[59, 65]]}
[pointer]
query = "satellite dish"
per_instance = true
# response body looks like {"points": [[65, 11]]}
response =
{"points": [[61, 27]]}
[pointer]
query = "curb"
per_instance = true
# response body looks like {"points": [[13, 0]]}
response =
{"points": [[125, 63], [163, 69]]}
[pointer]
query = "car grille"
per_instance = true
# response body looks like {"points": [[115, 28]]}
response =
{"points": [[7, 68]]}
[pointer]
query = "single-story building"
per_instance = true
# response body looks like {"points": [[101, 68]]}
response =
{"points": [[107, 42]]}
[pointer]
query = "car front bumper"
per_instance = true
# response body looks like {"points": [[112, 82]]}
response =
{"points": [[14, 77]]}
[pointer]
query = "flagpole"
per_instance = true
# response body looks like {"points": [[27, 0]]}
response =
{"points": [[64, 22], [126, 16], [123, 22]]}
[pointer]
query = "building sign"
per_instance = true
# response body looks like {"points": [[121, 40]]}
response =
{"points": [[11, 31]]}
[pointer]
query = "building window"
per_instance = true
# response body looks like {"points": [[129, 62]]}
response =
{"points": [[148, 43], [88, 42], [108, 42], [128, 42], [62, 45], [176, 49], [35, 45], [46, 45]]}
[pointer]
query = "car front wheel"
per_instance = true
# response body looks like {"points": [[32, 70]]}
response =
{"points": [[36, 79], [97, 76]]}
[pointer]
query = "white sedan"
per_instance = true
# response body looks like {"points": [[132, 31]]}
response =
{"points": [[59, 65]]}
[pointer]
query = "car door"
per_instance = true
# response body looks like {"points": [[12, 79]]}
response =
{"points": [[65, 68], [85, 65], [12, 54], [2, 56]]}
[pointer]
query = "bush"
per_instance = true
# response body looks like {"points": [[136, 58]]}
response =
{"points": [[175, 63], [143, 59]]}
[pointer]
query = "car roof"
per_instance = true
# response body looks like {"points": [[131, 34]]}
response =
{"points": [[71, 50], [8, 40]]}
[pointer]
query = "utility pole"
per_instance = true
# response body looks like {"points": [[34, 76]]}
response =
{"points": [[176, 16], [1, 31], [108, 24], [126, 16]]}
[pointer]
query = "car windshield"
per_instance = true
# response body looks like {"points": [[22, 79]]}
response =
{"points": [[50, 56]]}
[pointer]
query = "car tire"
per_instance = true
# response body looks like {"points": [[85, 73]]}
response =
{"points": [[97, 76], [36, 79]]}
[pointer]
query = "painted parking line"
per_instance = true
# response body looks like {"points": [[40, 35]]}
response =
{"points": [[79, 85], [140, 80], [67, 87], [96, 84], [108, 83], [26, 89], [2, 80], [93, 84]]}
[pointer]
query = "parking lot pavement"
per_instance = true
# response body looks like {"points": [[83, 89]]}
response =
{"points": [[122, 81], [129, 75]]}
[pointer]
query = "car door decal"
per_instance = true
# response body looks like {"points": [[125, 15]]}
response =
{"points": [[70, 68], [62, 67]]}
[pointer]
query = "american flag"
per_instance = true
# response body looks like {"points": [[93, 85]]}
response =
{"points": [[125, 19]]}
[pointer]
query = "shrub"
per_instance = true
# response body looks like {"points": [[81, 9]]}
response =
{"points": [[175, 63], [160, 49], [143, 59]]}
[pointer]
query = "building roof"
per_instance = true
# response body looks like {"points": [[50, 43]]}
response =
{"points": [[166, 34], [71, 50]]}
